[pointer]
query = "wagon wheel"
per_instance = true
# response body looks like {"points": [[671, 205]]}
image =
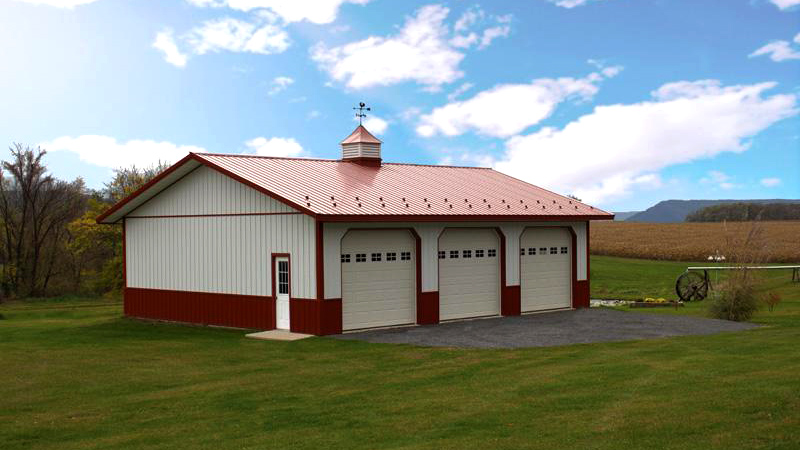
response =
{"points": [[691, 286]]}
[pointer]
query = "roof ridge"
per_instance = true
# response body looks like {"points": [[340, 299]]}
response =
{"points": [[245, 155], [438, 165], [300, 158]]}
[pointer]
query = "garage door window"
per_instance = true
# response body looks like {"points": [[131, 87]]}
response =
{"points": [[346, 257], [453, 254], [361, 257], [522, 252], [467, 253], [563, 250], [553, 250], [479, 253], [442, 254], [391, 256], [542, 250], [405, 256], [491, 253], [376, 257], [532, 251]]}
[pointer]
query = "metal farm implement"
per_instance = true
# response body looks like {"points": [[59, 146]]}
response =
{"points": [[694, 283]]}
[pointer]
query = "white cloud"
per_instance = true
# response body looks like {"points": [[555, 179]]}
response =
{"points": [[770, 182], [459, 90], [166, 43], [237, 36], [423, 51], [719, 179], [105, 151], [784, 4], [506, 109], [280, 84], [262, 36], [618, 148], [285, 147], [779, 50], [376, 125], [69, 4], [314, 11], [572, 3]]}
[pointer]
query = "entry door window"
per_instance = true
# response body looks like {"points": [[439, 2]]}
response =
{"points": [[283, 277]]}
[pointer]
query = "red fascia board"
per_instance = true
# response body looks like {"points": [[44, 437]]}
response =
{"points": [[460, 218], [203, 161], [144, 187]]}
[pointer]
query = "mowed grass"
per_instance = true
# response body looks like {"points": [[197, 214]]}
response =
{"points": [[691, 241], [77, 376]]}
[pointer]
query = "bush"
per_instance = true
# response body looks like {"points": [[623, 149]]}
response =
{"points": [[735, 299], [771, 300]]}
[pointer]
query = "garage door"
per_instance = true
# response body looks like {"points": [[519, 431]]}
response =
{"points": [[378, 279], [546, 269], [469, 273]]}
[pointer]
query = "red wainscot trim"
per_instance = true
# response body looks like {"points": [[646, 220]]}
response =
{"points": [[428, 308], [318, 317], [580, 298], [511, 301], [330, 316], [205, 308]]}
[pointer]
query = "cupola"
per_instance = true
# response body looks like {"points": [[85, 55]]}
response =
{"points": [[361, 146]]}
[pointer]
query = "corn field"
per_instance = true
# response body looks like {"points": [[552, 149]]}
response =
{"points": [[694, 241]]}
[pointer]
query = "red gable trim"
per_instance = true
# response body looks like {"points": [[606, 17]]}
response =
{"points": [[195, 157]]}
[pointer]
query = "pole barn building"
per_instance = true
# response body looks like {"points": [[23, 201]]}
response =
{"points": [[325, 246]]}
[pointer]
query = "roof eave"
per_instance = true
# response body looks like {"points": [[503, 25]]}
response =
{"points": [[459, 218]]}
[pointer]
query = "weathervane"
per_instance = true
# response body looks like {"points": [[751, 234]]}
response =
{"points": [[360, 114]]}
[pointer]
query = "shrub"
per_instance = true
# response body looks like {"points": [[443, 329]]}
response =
{"points": [[735, 299], [771, 299]]}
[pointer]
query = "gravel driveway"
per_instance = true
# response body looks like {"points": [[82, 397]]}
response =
{"points": [[549, 329]]}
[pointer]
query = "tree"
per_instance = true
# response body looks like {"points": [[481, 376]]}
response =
{"points": [[35, 209], [97, 249]]}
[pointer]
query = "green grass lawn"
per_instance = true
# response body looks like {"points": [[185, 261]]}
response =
{"points": [[76, 375]]}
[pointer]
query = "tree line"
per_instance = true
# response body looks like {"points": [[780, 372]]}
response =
{"points": [[50, 243], [746, 212]]}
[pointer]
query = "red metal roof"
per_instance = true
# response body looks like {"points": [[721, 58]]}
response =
{"points": [[338, 188]]}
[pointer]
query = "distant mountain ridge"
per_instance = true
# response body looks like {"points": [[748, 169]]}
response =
{"points": [[624, 215], [669, 211]]}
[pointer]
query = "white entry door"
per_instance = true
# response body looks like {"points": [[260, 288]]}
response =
{"points": [[282, 293]]}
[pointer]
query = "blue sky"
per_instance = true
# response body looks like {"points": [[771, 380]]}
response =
{"points": [[621, 102]]}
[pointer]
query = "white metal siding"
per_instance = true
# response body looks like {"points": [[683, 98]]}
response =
{"points": [[378, 293], [429, 234], [469, 283], [207, 191], [223, 254], [546, 277]]}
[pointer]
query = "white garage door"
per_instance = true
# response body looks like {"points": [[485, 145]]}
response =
{"points": [[469, 273], [378, 279], [546, 269]]}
